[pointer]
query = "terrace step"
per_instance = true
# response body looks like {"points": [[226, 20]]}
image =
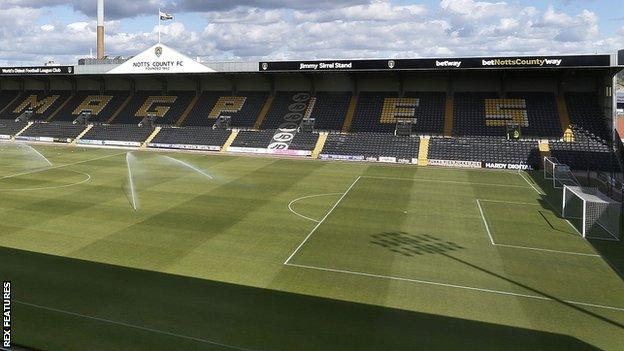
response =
{"points": [[562, 111], [265, 110], [423, 151], [350, 113], [151, 137], [83, 133], [448, 116], [187, 111], [60, 108], [320, 143], [23, 130], [121, 108], [229, 141], [544, 148]]}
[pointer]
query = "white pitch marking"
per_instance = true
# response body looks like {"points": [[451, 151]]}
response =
{"points": [[132, 326], [487, 227], [59, 166], [547, 250], [456, 286], [555, 208], [448, 181], [489, 233], [54, 187], [322, 220], [531, 184], [307, 197], [511, 202]]}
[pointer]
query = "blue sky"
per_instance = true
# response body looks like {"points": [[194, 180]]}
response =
{"points": [[34, 31]]}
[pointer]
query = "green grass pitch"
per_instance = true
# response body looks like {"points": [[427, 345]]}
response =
{"points": [[283, 254]]}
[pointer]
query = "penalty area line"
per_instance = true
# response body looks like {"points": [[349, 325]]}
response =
{"points": [[448, 182], [489, 233], [455, 286], [318, 224], [123, 324], [531, 184]]}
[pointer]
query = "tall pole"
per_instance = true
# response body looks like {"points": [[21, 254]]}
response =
{"points": [[100, 29], [159, 26]]}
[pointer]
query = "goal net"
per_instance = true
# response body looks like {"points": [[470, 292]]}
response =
{"points": [[563, 176], [549, 167], [598, 216]]}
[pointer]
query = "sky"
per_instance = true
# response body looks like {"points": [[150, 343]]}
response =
{"points": [[35, 31]]}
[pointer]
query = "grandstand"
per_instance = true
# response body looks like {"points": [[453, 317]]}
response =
{"points": [[131, 188], [447, 108]]}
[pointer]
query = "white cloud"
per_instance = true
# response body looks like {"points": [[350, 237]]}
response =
{"points": [[356, 29]]}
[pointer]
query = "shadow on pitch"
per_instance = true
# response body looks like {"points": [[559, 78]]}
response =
{"points": [[411, 245], [537, 292], [158, 311], [612, 251]]}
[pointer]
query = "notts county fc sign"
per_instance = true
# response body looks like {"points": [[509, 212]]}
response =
{"points": [[160, 59]]}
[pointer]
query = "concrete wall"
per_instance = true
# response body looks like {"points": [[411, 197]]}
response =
{"points": [[333, 82], [114, 83], [252, 83], [425, 82]]}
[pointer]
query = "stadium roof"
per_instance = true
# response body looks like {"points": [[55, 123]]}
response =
{"points": [[161, 59]]}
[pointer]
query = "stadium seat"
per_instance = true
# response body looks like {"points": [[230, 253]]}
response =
{"points": [[372, 145], [590, 148], [166, 108], [43, 104], [63, 131], [118, 132], [327, 108], [254, 139], [262, 138], [192, 136], [9, 128], [485, 149], [102, 105], [330, 110], [377, 112], [243, 108], [486, 114], [6, 96]]}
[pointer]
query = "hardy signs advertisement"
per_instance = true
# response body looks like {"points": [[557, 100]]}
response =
{"points": [[160, 59], [511, 166], [480, 164], [441, 63]]}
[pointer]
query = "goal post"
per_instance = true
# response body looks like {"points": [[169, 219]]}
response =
{"points": [[549, 167], [562, 176], [600, 217]]}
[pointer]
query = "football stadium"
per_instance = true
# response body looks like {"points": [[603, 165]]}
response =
{"points": [[155, 202]]}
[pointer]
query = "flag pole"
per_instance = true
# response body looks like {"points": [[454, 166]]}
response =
{"points": [[158, 25]]}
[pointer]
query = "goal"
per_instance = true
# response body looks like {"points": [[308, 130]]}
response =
{"points": [[549, 167], [599, 216], [559, 173]]}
